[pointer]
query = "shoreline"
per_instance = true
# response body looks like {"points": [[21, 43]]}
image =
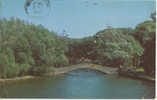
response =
{"points": [[59, 71], [47, 75], [17, 78], [139, 76]]}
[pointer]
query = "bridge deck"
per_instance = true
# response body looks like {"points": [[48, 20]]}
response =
{"points": [[104, 69]]}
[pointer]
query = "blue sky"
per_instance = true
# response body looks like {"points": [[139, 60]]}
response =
{"points": [[80, 18]]}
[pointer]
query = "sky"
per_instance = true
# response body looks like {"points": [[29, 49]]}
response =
{"points": [[81, 18]]}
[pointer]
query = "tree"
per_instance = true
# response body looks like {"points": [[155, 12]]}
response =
{"points": [[145, 34], [28, 49], [118, 47], [153, 16]]}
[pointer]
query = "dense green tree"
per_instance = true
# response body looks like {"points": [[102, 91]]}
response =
{"points": [[28, 49], [79, 48], [118, 47], [145, 34], [113, 46]]}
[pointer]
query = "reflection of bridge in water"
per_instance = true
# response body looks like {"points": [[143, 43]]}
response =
{"points": [[104, 69]]}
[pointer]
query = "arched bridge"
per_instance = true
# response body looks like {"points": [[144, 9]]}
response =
{"points": [[104, 69]]}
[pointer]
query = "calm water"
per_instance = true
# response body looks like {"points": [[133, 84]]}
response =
{"points": [[80, 84]]}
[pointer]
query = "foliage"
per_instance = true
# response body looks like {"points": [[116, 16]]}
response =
{"points": [[27, 49], [145, 31], [145, 34], [78, 48], [115, 45]]}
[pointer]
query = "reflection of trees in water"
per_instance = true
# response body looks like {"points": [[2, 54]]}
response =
{"points": [[3, 91], [37, 7], [149, 92]]}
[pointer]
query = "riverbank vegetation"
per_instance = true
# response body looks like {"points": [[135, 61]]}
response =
{"points": [[27, 49]]}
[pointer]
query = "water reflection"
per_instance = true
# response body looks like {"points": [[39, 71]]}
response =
{"points": [[81, 84]]}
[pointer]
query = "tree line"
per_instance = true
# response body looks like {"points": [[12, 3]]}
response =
{"points": [[28, 49], [117, 47]]}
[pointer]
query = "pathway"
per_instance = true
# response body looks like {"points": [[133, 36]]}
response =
{"points": [[104, 69]]}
